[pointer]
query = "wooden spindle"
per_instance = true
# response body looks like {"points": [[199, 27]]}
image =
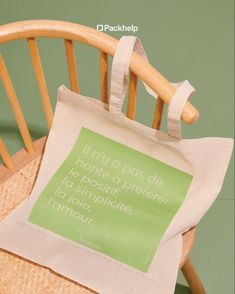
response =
{"points": [[13, 100], [131, 108], [158, 114], [104, 76], [34, 52], [5, 155], [72, 67], [192, 278]]}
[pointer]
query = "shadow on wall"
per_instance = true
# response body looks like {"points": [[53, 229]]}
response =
{"points": [[10, 128], [180, 289], [9, 132]]}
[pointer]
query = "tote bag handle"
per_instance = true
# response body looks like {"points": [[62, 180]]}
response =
{"points": [[119, 77]]}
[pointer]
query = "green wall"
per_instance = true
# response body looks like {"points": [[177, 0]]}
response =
{"points": [[184, 40]]}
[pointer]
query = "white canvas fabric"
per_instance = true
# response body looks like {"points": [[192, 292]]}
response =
{"points": [[205, 158]]}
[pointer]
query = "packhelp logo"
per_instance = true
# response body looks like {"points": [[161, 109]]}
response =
{"points": [[117, 28]]}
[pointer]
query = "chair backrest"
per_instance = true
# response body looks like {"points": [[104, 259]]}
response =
{"points": [[106, 44]]}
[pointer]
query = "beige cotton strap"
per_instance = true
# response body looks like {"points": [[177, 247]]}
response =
{"points": [[119, 77], [120, 67], [176, 106]]}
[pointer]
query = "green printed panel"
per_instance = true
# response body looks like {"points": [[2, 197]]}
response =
{"points": [[111, 198]]}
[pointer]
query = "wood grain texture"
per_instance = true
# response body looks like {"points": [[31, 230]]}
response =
{"points": [[192, 278], [36, 60], [104, 77], [72, 66], [132, 93], [158, 113]]}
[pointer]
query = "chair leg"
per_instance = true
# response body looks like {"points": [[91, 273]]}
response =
{"points": [[192, 278]]}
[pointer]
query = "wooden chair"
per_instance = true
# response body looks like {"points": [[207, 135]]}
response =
{"points": [[27, 160]]}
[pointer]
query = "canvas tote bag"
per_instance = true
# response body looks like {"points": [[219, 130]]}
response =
{"points": [[113, 197]]}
